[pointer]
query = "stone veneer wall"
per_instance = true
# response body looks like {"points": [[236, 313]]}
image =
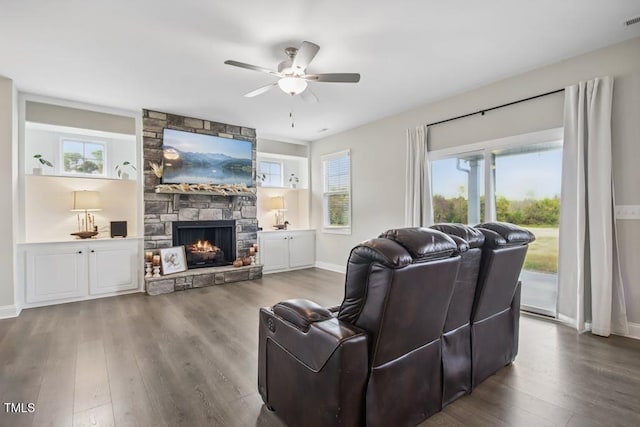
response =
{"points": [[160, 210]]}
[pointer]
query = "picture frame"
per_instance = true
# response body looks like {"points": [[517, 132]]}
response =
{"points": [[173, 260]]}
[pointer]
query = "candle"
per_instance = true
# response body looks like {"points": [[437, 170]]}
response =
{"points": [[156, 260], [255, 247], [148, 256], [252, 251]]}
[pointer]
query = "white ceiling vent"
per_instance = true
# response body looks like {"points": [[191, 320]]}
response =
{"points": [[629, 22]]}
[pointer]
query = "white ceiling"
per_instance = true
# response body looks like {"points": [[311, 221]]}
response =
{"points": [[168, 55]]}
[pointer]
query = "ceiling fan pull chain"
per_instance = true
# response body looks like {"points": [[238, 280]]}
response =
{"points": [[291, 116]]}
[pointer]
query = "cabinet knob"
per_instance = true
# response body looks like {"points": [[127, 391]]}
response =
{"points": [[79, 252], [285, 238], [291, 238], [92, 251]]}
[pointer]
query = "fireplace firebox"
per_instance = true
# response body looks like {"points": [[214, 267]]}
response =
{"points": [[206, 243]]}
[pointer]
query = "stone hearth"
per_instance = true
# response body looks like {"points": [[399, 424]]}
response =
{"points": [[202, 277]]}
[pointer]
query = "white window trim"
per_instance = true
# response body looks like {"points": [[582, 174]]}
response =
{"points": [[279, 162], [105, 167], [335, 229], [485, 148]]}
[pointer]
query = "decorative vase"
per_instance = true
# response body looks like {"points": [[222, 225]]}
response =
{"points": [[246, 260], [37, 171], [237, 263], [124, 175], [293, 185]]}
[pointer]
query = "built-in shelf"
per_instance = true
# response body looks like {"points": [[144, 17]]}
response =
{"points": [[209, 193], [102, 178], [264, 187]]}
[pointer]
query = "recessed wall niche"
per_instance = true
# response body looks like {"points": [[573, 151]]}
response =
{"points": [[80, 149]]}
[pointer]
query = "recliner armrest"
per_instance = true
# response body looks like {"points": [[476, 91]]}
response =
{"points": [[334, 310], [314, 346], [301, 312]]}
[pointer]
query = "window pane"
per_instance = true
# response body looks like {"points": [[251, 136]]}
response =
{"points": [[337, 174], [272, 172], [527, 193], [337, 189], [338, 207], [83, 157], [458, 189]]}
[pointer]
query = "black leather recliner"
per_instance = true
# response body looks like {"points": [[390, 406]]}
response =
{"points": [[496, 308], [456, 337], [378, 362]]}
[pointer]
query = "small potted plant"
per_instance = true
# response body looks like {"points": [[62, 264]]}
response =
{"points": [[120, 169], [260, 179], [293, 180], [43, 162]]}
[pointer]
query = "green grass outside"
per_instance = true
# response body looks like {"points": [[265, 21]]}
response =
{"points": [[542, 255]]}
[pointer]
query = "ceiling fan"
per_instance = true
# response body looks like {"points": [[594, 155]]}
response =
{"points": [[293, 78]]}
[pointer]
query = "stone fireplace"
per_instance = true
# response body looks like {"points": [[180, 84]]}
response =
{"points": [[206, 243], [166, 213]]}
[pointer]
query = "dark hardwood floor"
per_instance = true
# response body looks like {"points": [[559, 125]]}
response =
{"points": [[190, 358]]}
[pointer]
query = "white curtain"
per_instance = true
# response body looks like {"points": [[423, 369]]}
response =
{"points": [[590, 292], [418, 207]]}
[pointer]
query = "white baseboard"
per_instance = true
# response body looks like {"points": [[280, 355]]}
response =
{"points": [[634, 331], [634, 328], [8, 311], [331, 267]]}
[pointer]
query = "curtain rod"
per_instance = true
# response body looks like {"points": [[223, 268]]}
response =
{"points": [[495, 108]]}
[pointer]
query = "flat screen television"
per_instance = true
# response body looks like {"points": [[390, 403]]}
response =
{"points": [[193, 158]]}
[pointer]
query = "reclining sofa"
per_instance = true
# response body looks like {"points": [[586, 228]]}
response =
{"points": [[428, 313]]}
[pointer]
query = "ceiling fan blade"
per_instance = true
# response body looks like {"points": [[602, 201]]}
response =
{"points": [[260, 90], [305, 55], [308, 96], [334, 77], [251, 67]]}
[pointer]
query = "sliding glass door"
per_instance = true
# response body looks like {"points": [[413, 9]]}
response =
{"points": [[521, 178], [527, 193]]}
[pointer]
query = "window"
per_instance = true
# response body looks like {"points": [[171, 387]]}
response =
{"points": [[336, 176], [520, 177], [458, 189], [270, 173], [83, 157]]}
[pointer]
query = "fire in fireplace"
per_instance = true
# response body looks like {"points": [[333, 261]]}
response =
{"points": [[202, 252], [206, 243]]}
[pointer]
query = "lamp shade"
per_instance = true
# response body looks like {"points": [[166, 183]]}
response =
{"points": [[292, 85], [276, 203], [86, 201]]}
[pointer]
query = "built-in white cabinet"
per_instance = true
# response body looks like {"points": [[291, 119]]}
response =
{"points": [[287, 249], [67, 271], [56, 272]]}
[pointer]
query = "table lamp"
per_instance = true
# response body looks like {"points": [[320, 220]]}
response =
{"points": [[277, 204], [86, 201]]}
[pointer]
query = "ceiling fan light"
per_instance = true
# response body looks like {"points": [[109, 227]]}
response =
{"points": [[292, 85]]}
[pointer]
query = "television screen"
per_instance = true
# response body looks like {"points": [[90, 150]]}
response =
{"points": [[193, 158]]}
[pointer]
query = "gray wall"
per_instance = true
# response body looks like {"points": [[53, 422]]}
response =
{"points": [[378, 149], [8, 185], [77, 118], [280, 147]]}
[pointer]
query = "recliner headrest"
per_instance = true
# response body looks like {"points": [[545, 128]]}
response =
{"points": [[502, 234], [473, 237], [383, 251], [424, 244]]}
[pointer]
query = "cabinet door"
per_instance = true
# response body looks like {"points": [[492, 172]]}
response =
{"points": [[274, 251], [113, 267], [302, 249], [56, 272]]}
